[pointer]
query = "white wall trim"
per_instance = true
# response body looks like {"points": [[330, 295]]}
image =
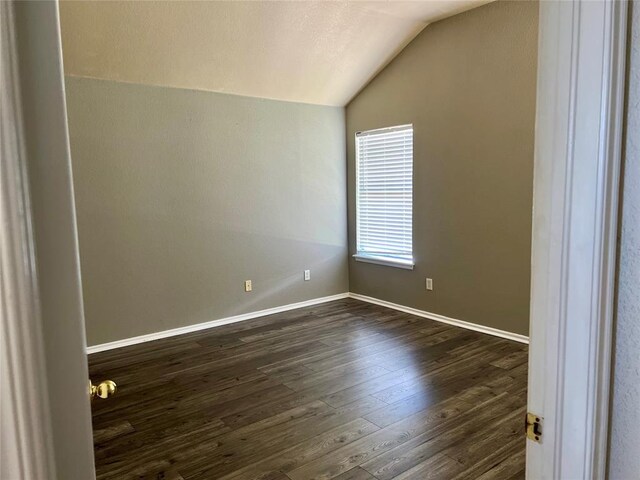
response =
{"points": [[212, 323], [307, 303], [582, 48], [441, 318]]}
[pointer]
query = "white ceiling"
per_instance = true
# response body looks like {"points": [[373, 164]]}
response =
{"points": [[320, 52]]}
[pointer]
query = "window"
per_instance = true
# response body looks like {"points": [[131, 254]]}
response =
{"points": [[384, 196]]}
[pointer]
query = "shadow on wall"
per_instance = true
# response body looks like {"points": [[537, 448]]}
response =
{"points": [[468, 86], [183, 195]]}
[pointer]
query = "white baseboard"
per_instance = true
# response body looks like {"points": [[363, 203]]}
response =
{"points": [[307, 303], [213, 323], [441, 318]]}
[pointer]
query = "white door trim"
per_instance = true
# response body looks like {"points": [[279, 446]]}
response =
{"points": [[577, 162], [25, 436]]}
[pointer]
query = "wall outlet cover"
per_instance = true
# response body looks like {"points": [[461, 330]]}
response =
{"points": [[247, 286], [307, 275]]}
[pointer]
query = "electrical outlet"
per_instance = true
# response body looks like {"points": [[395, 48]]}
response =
{"points": [[247, 286], [429, 284], [307, 275]]}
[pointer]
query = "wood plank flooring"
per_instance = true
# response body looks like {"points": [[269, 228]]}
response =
{"points": [[344, 390]]}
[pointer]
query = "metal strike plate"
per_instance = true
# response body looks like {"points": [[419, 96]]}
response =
{"points": [[533, 427]]}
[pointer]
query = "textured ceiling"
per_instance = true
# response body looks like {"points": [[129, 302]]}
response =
{"points": [[320, 52]]}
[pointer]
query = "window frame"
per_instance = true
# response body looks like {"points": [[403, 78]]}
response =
{"points": [[386, 260]]}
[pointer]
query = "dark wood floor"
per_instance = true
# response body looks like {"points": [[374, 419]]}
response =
{"points": [[344, 390]]}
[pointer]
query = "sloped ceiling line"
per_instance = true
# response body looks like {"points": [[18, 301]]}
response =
{"points": [[316, 52]]}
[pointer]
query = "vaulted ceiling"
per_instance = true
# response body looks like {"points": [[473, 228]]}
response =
{"points": [[320, 52]]}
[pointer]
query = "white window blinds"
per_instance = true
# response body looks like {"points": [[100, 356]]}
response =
{"points": [[384, 195]]}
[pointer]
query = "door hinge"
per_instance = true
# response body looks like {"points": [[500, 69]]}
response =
{"points": [[533, 427]]}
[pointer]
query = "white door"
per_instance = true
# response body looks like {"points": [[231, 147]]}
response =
{"points": [[576, 179], [46, 417]]}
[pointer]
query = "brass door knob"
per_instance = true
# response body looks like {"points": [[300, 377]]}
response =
{"points": [[103, 389]]}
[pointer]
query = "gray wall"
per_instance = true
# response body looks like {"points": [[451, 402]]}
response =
{"points": [[182, 195], [624, 456], [468, 84]]}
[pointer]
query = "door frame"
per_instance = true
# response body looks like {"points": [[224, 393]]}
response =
{"points": [[579, 128], [582, 47]]}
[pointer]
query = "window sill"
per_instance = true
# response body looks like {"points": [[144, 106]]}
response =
{"points": [[386, 261]]}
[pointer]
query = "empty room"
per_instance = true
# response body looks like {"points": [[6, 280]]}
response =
{"points": [[238, 168], [303, 240]]}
